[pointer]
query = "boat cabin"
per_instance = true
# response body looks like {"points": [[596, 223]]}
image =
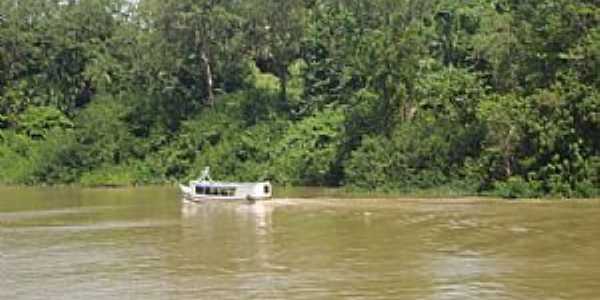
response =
{"points": [[215, 190], [229, 190], [205, 188]]}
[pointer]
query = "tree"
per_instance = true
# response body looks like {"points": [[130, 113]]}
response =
{"points": [[276, 30]]}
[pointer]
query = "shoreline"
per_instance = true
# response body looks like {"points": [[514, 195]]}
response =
{"points": [[311, 192]]}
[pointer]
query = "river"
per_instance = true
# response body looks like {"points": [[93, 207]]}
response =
{"points": [[144, 243]]}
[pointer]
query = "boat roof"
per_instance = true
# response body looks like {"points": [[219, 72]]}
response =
{"points": [[206, 180], [226, 184]]}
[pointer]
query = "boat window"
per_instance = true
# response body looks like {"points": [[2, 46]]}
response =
{"points": [[215, 190], [227, 191], [266, 189]]}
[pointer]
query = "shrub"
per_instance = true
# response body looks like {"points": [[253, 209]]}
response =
{"points": [[308, 152], [423, 154], [517, 187], [126, 174], [15, 165], [369, 165], [36, 121], [99, 138]]}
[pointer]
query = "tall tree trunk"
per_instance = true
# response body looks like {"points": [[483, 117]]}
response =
{"points": [[283, 82], [208, 75], [508, 170], [208, 78]]}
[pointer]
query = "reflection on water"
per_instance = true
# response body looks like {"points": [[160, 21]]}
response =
{"points": [[464, 276], [146, 243], [258, 213]]}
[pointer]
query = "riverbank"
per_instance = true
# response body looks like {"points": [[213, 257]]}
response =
{"points": [[298, 192]]}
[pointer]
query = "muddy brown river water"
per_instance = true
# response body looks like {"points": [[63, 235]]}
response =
{"points": [[145, 243]]}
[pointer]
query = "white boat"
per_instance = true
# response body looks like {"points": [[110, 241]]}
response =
{"points": [[205, 189]]}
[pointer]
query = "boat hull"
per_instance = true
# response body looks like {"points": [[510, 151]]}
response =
{"points": [[189, 194]]}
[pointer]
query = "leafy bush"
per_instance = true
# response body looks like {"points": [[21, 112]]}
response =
{"points": [[370, 165], [177, 159], [420, 155], [99, 137], [517, 187], [380, 95], [15, 163], [32, 161], [242, 154], [36, 121], [57, 158], [126, 174], [308, 152]]}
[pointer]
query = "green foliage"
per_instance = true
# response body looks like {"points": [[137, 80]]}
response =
{"points": [[370, 164], [47, 46], [384, 95], [206, 141], [452, 94], [14, 101], [56, 159], [36, 121], [46, 160], [517, 187], [261, 102], [504, 119], [99, 137], [419, 155], [307, 154], [126, 174], [15, 161]]}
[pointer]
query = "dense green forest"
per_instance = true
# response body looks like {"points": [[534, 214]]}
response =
{"points": [[480, 96]]}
